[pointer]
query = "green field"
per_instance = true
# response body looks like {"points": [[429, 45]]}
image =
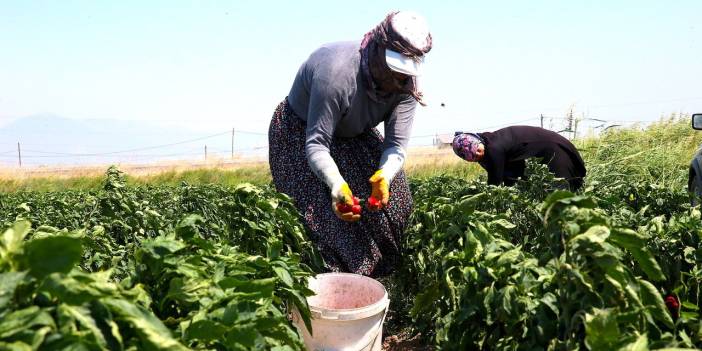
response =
{"points": [[205, 260]]}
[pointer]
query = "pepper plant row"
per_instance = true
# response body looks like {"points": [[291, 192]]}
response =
{"points": [[533, 268], [154, 268]]}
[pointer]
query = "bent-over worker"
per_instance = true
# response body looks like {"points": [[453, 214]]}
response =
{"points": [[503, 153]]}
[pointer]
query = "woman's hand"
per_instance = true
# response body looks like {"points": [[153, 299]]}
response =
{"points": [[380, 193], [344, 204]]}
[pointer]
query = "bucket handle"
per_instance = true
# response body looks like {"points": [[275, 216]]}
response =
{"points": [[380, 328]]}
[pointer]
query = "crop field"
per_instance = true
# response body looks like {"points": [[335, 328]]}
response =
{"points": [[217, 266]]}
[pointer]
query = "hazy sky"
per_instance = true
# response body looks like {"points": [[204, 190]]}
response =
{"points": [[214, 65]]}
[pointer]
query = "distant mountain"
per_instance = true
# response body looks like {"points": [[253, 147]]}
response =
{"points": [[49, 139]]}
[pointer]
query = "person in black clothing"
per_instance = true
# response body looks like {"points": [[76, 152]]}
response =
{"points": [[503, 153]]}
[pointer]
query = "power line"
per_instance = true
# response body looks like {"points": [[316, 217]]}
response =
{"points": [[71, 154], [42, 154], [605, 106], [248, 132], [52, 153], [244, 132], [650, 102], [123, 156], [166, 145], [210, 151], [131, 150], [506, 124]]}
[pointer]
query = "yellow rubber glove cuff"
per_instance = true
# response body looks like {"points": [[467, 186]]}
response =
{"points": [[345, 195], [380, 187]]}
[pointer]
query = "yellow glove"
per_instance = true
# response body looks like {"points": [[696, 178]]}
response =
{"points": [[343, 203], [380, 189]]}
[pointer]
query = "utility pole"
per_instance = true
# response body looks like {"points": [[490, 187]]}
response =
{"points": [[232, 143], [570, 121], [205, 152], [19, 154], [542, 120]]}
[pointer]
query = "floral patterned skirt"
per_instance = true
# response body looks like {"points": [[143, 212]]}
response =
{"points": [[370, 246]]}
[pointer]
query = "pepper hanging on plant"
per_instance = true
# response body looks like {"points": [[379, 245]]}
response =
{"points": [[673, 304]]}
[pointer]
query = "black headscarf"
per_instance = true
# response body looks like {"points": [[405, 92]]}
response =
{"points": [[373, 59]]}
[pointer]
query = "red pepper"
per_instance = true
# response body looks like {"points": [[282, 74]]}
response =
{"points": [[356, 209], [346, 208], [342, 207], [373, 204], [673, 304]]}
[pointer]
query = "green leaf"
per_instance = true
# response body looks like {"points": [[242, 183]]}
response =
{"points": [[467, 204], [160, 247], [488, 303], [425, 299], [72, 291], [303, 308], [8, 283], [13, 237], [653, 300], [154, 334], [640, 344], [507, 297], [242, 338], [595, 234], [82, 315], [53, 254], [602, 331], [555, 197], [188, 227], [579, 277], [205, 331], [503, 224], [635, 244], [262, 288], [510, 257], [690, 306], [21, 320], [284, 276], [15, 346], [560, 199], [550, 300], [627, 238]]}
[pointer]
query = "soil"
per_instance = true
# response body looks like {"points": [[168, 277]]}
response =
{"points": [[405, 342]]}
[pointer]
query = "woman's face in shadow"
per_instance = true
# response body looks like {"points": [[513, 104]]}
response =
{"points": [[386, 79], [396, 82]]}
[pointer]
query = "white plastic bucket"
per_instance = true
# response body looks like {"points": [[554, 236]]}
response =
{"points": [[348, 311]]}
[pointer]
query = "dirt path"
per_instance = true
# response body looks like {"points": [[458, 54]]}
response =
{"points": [[405, 342]]}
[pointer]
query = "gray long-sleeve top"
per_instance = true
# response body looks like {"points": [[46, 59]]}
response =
{"points": [[330, 95]]}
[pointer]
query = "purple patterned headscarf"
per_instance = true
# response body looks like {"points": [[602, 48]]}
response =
{"points": [[465, 145]]}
